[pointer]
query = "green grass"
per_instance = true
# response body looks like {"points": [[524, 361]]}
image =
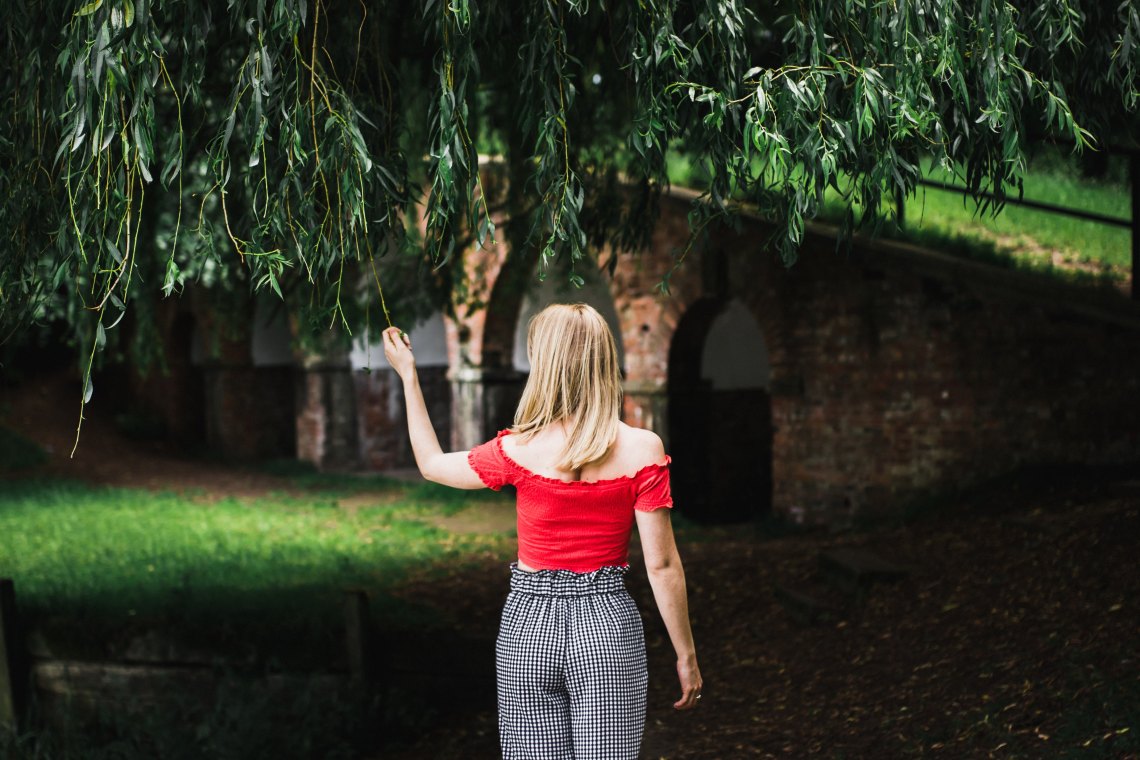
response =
{"points": [[1018, 237], [1078, 239], [274, 568]]}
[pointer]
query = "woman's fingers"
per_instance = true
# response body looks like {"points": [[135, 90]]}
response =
{"points": [[690, 693], [394, 336], [688, 700], [398, 351]]}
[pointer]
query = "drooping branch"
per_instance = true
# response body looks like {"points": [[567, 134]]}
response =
{"points": [[282, 145]]}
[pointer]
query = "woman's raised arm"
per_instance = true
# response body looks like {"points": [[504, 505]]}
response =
{"points": [[450, 469]]}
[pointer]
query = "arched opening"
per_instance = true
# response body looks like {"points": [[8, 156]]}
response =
{"points": [[428, 336], [186, 421], [556, 288], [720, 414]]}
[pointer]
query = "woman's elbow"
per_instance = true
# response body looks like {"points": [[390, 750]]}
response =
{"points": [[662, 564], [431, 471]]}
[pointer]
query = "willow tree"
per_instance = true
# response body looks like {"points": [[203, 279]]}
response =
{"points": [[286, 145]]}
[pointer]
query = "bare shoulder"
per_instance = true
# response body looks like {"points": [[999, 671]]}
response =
{"points": [[639, 447]]}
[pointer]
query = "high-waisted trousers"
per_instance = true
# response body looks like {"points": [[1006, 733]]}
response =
{"points": [[570, 667]]}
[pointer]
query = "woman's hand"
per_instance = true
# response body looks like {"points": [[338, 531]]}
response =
{"points": [[451, 469], [398, 352], [691, 683]]}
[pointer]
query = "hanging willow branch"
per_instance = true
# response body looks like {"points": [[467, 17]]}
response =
{"points": [[281, 146], [453, 169]]}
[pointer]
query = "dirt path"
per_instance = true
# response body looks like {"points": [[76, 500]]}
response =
{"points": [[1012, 637], [46, 411]]}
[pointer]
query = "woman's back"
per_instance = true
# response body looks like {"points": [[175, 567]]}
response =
{"points": [[576, 524], [632, 450]]}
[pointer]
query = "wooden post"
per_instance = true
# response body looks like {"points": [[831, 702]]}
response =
{"points": [[356, 619], [1134, 174], [11, 660]]}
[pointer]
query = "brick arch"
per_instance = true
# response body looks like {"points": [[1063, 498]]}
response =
{"points": [[556, 288], [891, 367], [502, 311], [721, 437]]}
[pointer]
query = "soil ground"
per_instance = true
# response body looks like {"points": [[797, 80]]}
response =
{"points": [[1013, 635]]}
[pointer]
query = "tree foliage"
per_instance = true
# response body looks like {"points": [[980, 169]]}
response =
{"points": [[309, 146]]}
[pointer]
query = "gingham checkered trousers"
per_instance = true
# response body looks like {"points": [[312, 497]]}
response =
{"points": [[570, 666]]}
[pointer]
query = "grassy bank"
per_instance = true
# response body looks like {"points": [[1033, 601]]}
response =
{"points": [[1018, 237], [271, 569]]}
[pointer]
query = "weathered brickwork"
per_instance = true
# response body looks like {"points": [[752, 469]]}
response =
{"points": [[210, 392], [894, 373], [382, 422], [897, 372], [248, 411], [327, 416]]}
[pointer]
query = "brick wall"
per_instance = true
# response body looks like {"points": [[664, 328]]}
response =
{"points": [[382, 422], [896, 371], [249, 411]]}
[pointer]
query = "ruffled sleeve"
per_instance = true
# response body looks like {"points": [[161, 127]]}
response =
{"points": [[651, 487], [488, 462]]}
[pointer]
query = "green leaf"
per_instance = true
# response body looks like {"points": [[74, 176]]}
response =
{"points": [[90, 8], [113, 250], [172, 278]]}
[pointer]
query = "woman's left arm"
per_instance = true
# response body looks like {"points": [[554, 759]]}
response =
{"points": [[667, 579], [451, 469]]}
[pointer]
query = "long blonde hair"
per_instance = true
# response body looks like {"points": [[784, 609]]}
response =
{"points": [[574, 376]]}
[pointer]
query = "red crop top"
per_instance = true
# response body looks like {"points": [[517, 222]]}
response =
{"points": [[578, 525]]}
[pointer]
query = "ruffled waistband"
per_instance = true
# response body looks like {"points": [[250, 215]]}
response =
{"points": [[605, 580]]}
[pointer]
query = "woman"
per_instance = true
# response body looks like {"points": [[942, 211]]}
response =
{"points": [[570, 655]]}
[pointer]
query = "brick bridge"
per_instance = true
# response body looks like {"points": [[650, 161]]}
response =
{"points": [[848, 385]]}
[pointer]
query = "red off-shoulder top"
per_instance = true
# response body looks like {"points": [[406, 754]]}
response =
{"points": [[578, 525]]}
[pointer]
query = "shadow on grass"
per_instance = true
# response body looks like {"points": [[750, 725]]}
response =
{"points": [[306, 476], [265, 579], [254, 590]]}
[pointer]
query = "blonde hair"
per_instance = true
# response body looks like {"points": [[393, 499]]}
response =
{"points": [[574, 376]]}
